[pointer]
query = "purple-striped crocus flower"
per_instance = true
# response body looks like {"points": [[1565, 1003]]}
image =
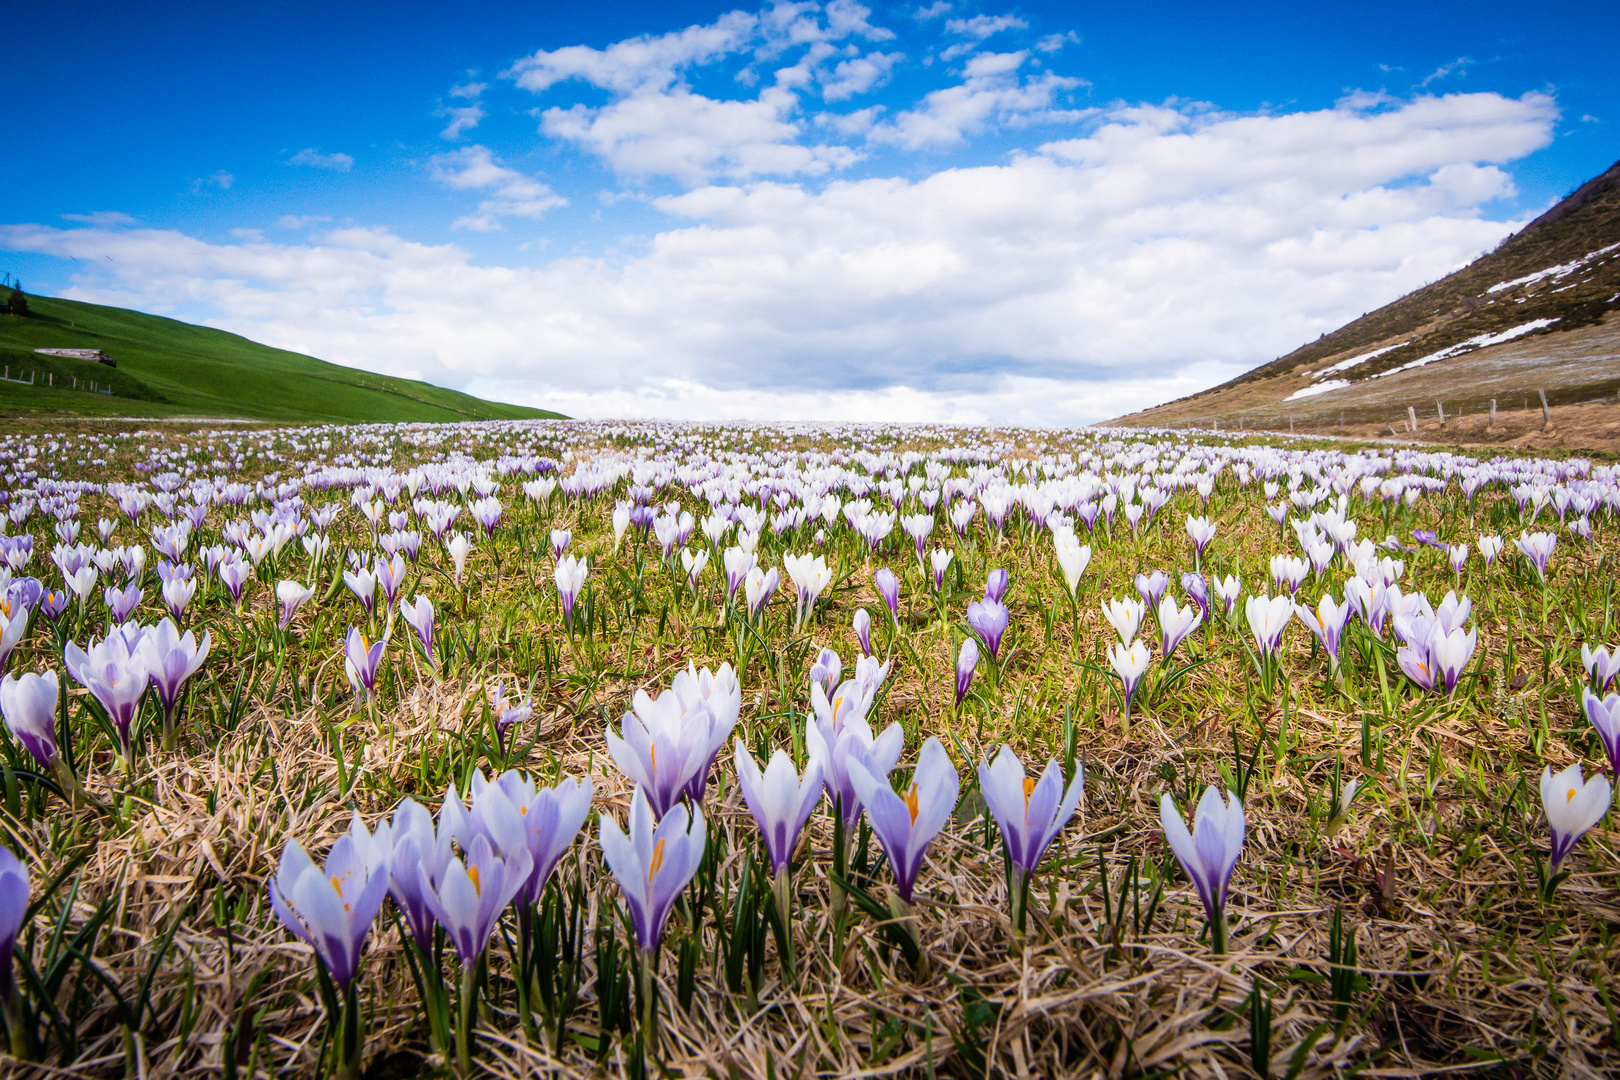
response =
{"points": [[1029, 813], [551, 818], [171, 658], [862, 625], [652, 864], [508, 710], [888, 587], [292, 596], [114, 672], [1208, 853], [14, 889], [1175, 623], [1537, 549], [967, 659], [995, 584], [826, 670], [419, 615], [906, 824], [664, 744], [1573, 805], [362, 660], [570, 576], [780, 799], [1601, 664], [1604, 713], [989, 619], [1197, 590], [1151, 587], [122, 602], [469, 896], [330, 908], [29, 706], [838, 734], [1327, 623]]}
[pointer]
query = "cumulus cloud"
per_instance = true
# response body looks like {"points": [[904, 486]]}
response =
{"points": [[991, 92], [337, 162], [110, 219], [221, 180], [656, 125], [1162, 249], [510, 193]]}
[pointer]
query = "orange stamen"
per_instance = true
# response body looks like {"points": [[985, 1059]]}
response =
{"points": [[911, 803], [657, 861], [472, 872], [1029, 789]]}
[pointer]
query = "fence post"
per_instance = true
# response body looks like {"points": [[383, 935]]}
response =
{"points": [[1493, 413], [1440, 410], [1411, 419], [1546, 413]]}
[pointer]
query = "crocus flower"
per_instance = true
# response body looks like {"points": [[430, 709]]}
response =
{"points": [[1268, 618], [293, 596], [234, 573], [664, 743], [570, 576], [171, 659], [1601, 664], [1073, 557], [1151, 587], [1489, 548], [988, 618], [1202, 531], [458, 546], [1209, 852], [1175, 623], [1449, 654], [1459, 557], [13, 624], [549, 819], [939, 560], [760, 586], [29, 706], [560, 539], [967, 659], [1327, 623], [1029, 813], [1604, 713], [420, 851], [419, 615], [838, 734], [469, 896], [363, 583], [115, 673], [14, 888], [888, 587], [362, 660], [826, 669], [810, 577], [737, 564], [995, 584], [780, 799], [121, 603], [330, 909], [507, 710], [1227, 590], [1197, 590], [177, 593], [862, 624], [1537, 549], [653, 863], [1125, 616], [1573, 806], [1130, 663], [906, 824], [721, 694]]}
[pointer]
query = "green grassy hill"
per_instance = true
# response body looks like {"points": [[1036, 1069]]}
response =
{"points": [[170, 368]]}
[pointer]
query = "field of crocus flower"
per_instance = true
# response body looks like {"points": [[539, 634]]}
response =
{"points": [[538, 748]]}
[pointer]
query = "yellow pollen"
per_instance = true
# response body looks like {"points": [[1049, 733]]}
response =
{"points": [[653, 751], [657, 861], [338, 885], [1029, 789], [911, 803], [472, 872], [1571, 796]]}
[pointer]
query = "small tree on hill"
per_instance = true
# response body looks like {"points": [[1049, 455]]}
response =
{"points": [[19, 300]]}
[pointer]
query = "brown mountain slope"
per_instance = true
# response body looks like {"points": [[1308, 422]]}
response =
{"points": [[1539, 312]]}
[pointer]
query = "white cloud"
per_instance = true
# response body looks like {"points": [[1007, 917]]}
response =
{"points": [[461, 117], [932, 11], [511, 194], [990, 92], [337, 162], [1458, 66], [110, 219], [470, 90], [1051, 43], [302, 221], [1166, 249], [980, 27], [656, 125], [221, 179], [858, 74]]}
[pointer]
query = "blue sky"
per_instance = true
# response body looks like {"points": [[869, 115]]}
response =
{"points": [[1036, 212]]}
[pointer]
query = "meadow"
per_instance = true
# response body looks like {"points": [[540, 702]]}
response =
{"points": [[529, 748]]}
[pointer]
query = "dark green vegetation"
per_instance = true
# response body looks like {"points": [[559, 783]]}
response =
{"points": [[170, 368]]}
